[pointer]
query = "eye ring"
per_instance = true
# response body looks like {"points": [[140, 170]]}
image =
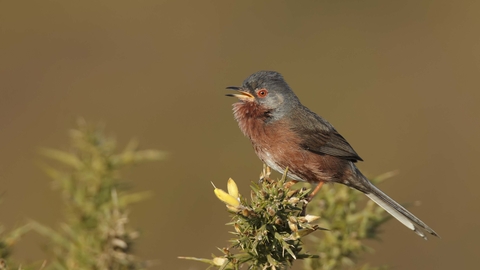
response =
{"points": [[261, 93]]}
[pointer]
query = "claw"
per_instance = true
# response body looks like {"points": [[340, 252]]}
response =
{"points": [[310, 197]]}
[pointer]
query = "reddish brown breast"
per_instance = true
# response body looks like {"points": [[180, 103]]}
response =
{"points": [[277, 145], [250, 118]]}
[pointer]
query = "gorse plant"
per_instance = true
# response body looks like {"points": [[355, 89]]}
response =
{"points": [[267, 229], [7, 241], [271, 232], [348, 224], [95, 234]]}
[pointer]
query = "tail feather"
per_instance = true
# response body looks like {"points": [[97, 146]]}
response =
{"points": [[399, 212]]}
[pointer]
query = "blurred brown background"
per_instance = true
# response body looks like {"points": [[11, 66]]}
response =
{"points": [[400, 80]]}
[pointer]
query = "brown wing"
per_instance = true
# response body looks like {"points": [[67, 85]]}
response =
{"points": [[320, 137]]}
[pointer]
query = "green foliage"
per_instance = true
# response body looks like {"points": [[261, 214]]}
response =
{"points": [[95, 234], [349, 224], [267, 229], [270, 231], [7, 241]]}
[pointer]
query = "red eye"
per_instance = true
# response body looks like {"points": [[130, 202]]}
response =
{"points": [[262, 93]]}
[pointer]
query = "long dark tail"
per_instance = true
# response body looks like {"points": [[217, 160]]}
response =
{"points": [[398, 211], [360, 182]]}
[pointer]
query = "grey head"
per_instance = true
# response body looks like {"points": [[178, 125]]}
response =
{"points": [[269, 90]]}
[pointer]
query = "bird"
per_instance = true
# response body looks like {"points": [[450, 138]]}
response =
{"points": [[286, 134]]}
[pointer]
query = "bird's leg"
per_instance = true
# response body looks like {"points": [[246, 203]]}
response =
{"points": [[317, 188], [310, 197], [265, 174]]}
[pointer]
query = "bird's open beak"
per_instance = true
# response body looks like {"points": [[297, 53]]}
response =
{"points": [[242, 95]]}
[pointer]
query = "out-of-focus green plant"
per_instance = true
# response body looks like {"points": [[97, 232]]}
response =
{"points": [[349, 224], [270, 231], [95, 234], [7, 242]]}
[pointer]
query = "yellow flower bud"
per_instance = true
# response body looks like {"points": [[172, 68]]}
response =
{"points": [[311, 218], [292, 226], [233, 208], [226, 198], [218, 261], [237, 228], [232, 188], [293, 200]]}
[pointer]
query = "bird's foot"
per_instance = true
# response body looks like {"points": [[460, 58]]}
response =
{"points": [[304, 209], [310, 198], [265, 174], [304, 206]]}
